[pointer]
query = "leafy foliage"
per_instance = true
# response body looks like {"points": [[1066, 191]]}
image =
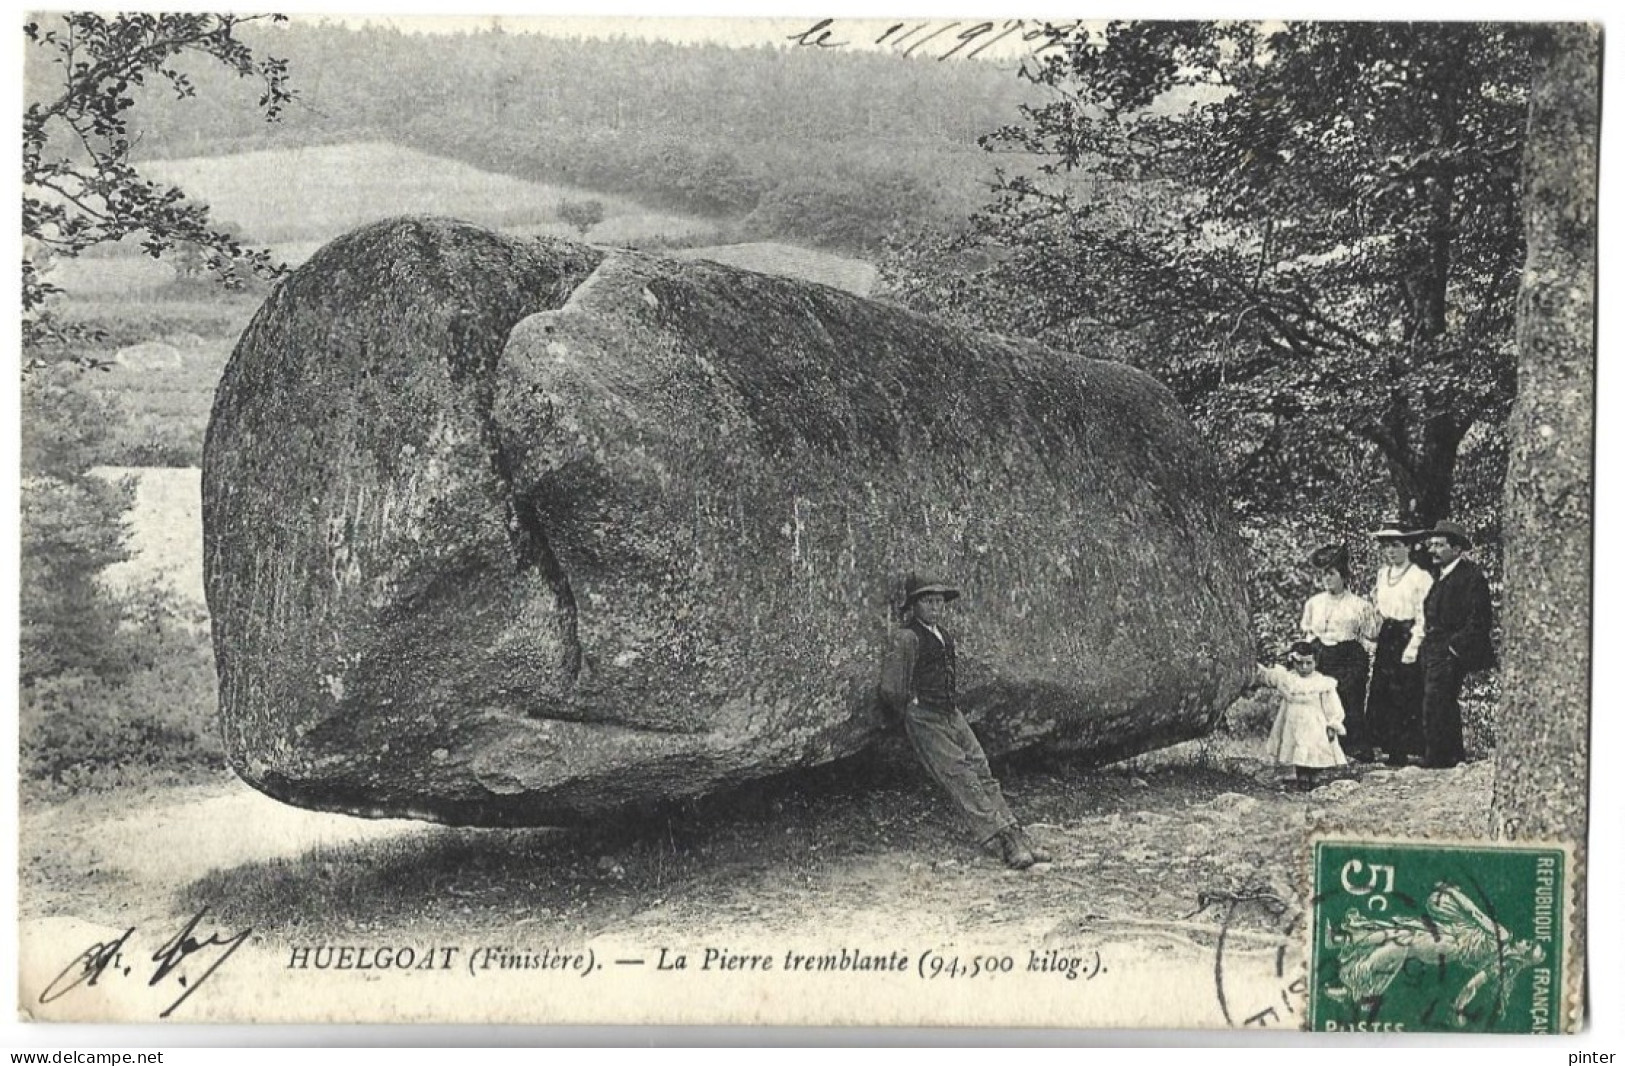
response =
{"points": [[1309, 231], [80, 186], [841, 210]]}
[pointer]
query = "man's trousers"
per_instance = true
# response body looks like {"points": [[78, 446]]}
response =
{"points": [[952, 755], [1441, 708]]}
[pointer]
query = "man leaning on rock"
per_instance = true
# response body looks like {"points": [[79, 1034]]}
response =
{"points": [[917, 683]]}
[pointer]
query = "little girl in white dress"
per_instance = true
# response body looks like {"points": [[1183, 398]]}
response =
{"points": [[1311, 716]]}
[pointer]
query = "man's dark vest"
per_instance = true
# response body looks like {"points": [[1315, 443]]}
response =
{"points": [[933, 668]]}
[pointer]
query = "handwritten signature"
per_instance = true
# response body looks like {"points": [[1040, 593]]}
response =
{"points": [[106, 959], [946, 39]]}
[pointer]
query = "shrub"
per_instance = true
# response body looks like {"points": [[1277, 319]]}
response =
{"points": [[583, 215], [171, 442], [148, 715], [842, 211], [114, 690], [72, 528], [66, 423], [152, 722]]}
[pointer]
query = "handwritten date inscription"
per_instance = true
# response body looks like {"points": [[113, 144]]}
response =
{"points": [[183, 963], [944, 40]]}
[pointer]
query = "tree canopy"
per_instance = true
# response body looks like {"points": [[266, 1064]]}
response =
{"points": [[80, 186], [1310, 231]]}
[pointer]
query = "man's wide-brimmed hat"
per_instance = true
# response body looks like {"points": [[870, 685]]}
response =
{"points": [[1330, 557], [918, 585], [1395, 530], [1456, 534]]}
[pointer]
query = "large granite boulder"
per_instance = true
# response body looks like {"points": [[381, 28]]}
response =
{"points": [[512, 532]]}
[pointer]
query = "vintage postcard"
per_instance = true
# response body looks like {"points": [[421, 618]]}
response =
{"points": [[806, 521]]}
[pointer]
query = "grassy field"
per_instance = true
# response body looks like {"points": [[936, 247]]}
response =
{"points": [[179, 313], [301, 195], [293, 201], [164, 386]]}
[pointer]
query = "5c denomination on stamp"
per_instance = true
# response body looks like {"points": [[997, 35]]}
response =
{"points": [[1424, 936]]}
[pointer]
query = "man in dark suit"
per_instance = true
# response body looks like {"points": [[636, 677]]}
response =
{"points": [[1456, 641]]}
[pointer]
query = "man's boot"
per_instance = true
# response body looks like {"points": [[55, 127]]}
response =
{"points": [[1038, 851], [1009, 846]]}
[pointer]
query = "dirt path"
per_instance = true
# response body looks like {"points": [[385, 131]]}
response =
{"points": [[1153, 859], [109, 857], [166, 531], [1139, 842]]}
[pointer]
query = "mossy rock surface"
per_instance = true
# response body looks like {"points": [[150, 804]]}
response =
{"points": [[516, 532]]}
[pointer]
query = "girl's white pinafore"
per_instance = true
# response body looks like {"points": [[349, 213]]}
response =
{"points": [[1308, 706]]}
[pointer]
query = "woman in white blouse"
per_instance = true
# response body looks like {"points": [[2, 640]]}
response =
{"points": [[1339, 623], [1394, 709]]}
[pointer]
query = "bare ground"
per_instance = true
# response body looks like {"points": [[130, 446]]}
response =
{"points": [[1139, 848]]}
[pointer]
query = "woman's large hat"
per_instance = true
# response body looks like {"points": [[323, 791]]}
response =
{"points": [[1330, 557], [1395, 530], [918, 585]]}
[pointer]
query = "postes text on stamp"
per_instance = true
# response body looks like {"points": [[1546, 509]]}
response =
{"points": [[1422, 936]]}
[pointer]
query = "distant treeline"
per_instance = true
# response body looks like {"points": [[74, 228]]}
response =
{"points": [[828, 146]]}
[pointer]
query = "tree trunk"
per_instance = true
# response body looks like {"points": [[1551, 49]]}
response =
{"points": [[1436, 467], [1423, 471], [1541, 728]]}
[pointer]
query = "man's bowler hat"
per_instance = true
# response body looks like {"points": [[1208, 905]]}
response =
{"points": [[1452, 532], [918, 585]]}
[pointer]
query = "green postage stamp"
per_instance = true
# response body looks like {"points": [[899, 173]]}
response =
{"points": [[1423, 936]]}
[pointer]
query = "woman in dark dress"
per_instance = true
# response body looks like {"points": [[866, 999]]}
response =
{"points": [[1394, 706]]}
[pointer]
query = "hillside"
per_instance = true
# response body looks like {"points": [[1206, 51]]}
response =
{"points": [[296, 198], [803, 144], [787, 260]]}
